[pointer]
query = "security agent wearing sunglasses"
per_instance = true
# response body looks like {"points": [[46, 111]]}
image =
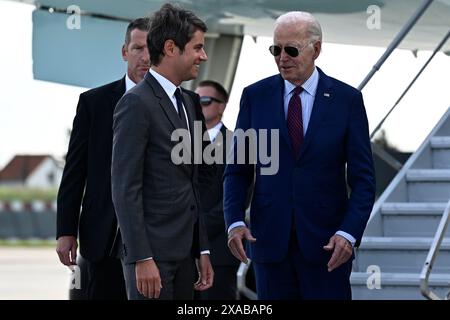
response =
{"points": [[303, 221], [213, 99]]}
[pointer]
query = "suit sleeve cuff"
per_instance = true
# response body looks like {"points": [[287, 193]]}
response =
{"points": [[151, 258], [347, 236], [236, 224]]}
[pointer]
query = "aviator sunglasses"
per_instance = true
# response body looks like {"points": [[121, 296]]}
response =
{"points": [[290, 50], [207, 100]]}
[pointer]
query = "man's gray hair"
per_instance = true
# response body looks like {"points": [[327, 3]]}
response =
{"points": [[314, 29]]}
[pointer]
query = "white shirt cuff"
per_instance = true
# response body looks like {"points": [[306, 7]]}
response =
{"points": [[236, 224], [205, 252], [347, 236], [151, 258]]}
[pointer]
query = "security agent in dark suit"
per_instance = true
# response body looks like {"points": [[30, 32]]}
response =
{"points": [[155, 196], [213, 99], [86, 180]]}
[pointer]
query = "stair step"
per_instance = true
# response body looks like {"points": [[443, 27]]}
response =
{"points": [[400, 254], [428, 175], [403, 230], [442, 142], [428, 185], [396, 286], [413, 208], [412, 219], [393, 278], [441, 152], [400, 243]]}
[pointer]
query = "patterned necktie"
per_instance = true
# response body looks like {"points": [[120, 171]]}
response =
{"points": [[295, 120], [181, 114]]}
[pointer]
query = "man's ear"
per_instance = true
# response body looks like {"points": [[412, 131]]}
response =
{"points": [[222, 108], [317, 48], [124, 52], [169, 48]]}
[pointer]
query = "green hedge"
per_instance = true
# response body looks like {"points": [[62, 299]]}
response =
{"points": [[28, 243], [27, 194]]}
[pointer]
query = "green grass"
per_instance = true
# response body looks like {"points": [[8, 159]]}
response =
{"points": [[27, 194], [28, 243]]}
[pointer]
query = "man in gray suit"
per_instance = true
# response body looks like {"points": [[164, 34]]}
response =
{"points": [[156, 200]]}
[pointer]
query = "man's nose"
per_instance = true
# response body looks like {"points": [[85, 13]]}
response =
{"points": [[204, 56], [283, 55], [146, 56]]}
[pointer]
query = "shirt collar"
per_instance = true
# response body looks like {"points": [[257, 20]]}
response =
{"points": [[168, 86], [214, 131], [128, 83], [310, 85]]}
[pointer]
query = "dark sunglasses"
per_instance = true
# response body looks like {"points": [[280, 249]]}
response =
{"points": [[207, 100], [291, 51]]}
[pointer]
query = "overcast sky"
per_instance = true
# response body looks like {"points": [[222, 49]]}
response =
{"points": [[36, 115]]}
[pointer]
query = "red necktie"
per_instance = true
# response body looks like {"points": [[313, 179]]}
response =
{"points": [[295, 120]]}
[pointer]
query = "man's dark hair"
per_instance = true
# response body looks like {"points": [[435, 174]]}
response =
{"points": [[142, 24], [223, 94], [171, 23]]}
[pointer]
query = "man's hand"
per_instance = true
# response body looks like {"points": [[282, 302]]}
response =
{"points": [[66, 248], [148, 280], [235, 242], [205, 272], [342, 251]]}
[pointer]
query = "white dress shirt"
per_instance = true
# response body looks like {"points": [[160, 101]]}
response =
{"points": [[214, 131], [128, 83]]}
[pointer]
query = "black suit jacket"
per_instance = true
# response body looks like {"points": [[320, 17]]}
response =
{"points": [[86, 180], [212, 201]]}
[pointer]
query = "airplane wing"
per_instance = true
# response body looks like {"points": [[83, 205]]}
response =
{"points": [[81, 45]]}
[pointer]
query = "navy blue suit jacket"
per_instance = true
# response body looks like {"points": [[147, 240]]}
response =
{"points": [[328, 186]]}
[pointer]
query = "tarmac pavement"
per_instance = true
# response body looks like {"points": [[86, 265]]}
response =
{"points": [[30, 273]]}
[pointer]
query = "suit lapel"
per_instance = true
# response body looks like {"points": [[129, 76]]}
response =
{"points": [[322, 103], [168, 108], [277, 100], [190, 111], [165, 102], [117, 92]]}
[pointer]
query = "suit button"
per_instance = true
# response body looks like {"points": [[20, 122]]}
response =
{"points": [[193, 207]]}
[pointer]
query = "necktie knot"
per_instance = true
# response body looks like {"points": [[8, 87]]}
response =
{"points": [[298, 90]]}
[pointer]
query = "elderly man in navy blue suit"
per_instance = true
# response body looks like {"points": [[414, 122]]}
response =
{"points": [[306, 218]]}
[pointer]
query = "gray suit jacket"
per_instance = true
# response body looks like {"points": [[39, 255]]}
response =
{"points": [[156, 201]]}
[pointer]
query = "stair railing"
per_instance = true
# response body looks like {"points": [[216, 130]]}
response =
{"points": [[436, 50], [431, 257], [242, 288]]}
